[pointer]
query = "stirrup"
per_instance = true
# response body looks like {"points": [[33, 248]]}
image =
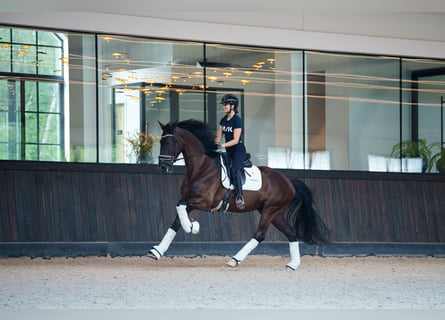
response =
{"points": [[239, 202]]}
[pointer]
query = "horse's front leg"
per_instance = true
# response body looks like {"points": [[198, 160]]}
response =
{"points": [[181, 219], [183, 215], [158, 251]]}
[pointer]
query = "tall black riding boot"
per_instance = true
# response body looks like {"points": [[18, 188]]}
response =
{"points": [[238, 185]]}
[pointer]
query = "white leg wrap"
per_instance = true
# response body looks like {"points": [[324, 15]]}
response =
{"points": [[159, 250], [295, 260], [186, 224], [244, 252]]}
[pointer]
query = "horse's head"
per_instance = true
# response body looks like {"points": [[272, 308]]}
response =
{"points": [[170, 147]]}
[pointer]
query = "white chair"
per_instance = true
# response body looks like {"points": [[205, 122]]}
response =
{"points": [[377, 163], [321, 160]]}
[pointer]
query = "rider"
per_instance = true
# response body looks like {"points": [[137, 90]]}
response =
{"points": [[231, 126]]}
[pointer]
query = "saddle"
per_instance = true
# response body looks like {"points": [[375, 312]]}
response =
{"points": [[251, 178], [251, 175], [227, 162]]}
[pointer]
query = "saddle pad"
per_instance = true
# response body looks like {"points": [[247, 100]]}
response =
{"points": [[253, 178]]}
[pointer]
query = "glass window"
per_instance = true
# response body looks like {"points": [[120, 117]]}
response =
{"points": [[143, 81], [5, 50], [23, 36], [301, 109], [422, 115], [23, 58], [11, 121], [49, 97], [268, 83], [31, 132], [48, 38], [31, 96], [31, 106], [5, 35], [49, 61], [80, 101], [352, 110]]}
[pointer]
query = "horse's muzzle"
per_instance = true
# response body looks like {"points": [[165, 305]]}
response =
{"points": [[166, 164]]}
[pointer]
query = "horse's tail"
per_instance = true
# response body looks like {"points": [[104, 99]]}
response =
{"points": [[302, 217]]}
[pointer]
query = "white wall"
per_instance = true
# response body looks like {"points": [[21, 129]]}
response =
{"points": [[388, 34]]}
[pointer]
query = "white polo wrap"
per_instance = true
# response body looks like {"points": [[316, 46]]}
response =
{"points": [[244, 252], [295, 260], [163, 246], [186, 224]]}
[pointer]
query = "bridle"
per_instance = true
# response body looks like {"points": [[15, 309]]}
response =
{"points": [[169, 160]]}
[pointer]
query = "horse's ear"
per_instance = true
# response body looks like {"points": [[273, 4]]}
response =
{"points": [[162, 126]]}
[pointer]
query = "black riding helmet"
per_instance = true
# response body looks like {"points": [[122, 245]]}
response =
{"points": [[230, 99]]}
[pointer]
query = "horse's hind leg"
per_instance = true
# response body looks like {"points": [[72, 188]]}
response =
{"points": [[294, 247], [260, 235], [243, 253]]}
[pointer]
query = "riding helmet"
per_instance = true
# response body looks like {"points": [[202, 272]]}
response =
{"points": [[229, 99]]}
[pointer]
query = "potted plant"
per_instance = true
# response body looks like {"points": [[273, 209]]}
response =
{"points": [[439, 157], [414, 149], [141, 145]]}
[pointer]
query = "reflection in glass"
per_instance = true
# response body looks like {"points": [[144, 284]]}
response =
{"points": [[424, 83], [60, 100], [352, 108], [142, 82]]}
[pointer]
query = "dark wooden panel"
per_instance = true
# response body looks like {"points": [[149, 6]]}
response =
{"points": [[47, 202]]}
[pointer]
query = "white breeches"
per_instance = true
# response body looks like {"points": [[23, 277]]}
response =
{"points": [[295, 260], [244, 252], [186, 224]]}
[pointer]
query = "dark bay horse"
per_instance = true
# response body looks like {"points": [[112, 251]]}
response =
{"points": [[287, 205]]}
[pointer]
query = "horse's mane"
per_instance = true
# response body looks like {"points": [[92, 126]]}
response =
{"points": [[201, 131]]}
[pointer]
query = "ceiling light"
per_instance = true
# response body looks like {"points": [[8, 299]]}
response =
{"points": [[117, 54]]}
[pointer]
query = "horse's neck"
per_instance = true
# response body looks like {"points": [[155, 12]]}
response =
{"points": [[195, 158]]}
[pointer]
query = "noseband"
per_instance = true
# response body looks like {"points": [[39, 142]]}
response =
{"points": [[168, 159]]}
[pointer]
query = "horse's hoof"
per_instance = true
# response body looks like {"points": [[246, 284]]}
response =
{"points": [[153, 254], [195, 227], [291, 267], [232, 263]]}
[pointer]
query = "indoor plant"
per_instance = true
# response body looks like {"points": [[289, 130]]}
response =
{"points": [[141, 145], [439, 157], [414, 149]]}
